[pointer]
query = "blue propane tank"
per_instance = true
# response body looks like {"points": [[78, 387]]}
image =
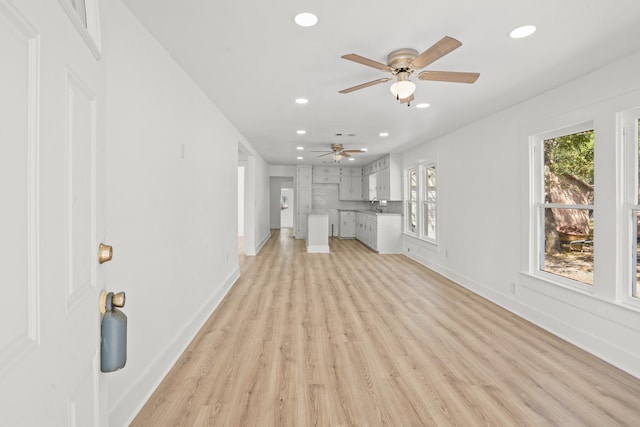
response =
{"points": [[113, 347]]}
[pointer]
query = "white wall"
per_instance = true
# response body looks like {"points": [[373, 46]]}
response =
{"points": [[171, 220], [263, 231], [281, 170], [286, 215], [276, 184], [483, 184], [257, 230], [240, 200]]}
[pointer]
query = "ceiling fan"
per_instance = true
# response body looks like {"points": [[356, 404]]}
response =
{"points": [[338, 152], [401, 63]]}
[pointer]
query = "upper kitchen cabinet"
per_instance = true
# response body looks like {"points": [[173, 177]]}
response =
{"points": [[350, 184], [384, 178], [326, 175], [350, 172]]}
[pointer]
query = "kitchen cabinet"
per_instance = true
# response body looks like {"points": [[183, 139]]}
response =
{"points": [[350, 171], [350, 184], [380, 232], [347, 224], [350, 188], [326, 175], [377, 165], [384, 178], [303, 200]]}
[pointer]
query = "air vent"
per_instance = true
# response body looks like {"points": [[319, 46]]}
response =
{"points": [[345, 134]]}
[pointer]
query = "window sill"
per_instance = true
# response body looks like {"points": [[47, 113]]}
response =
{"points": [[624, 312], [414, 237], [562, 282]]}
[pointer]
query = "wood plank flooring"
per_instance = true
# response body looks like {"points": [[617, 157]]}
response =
{"points": [[353, 338]]}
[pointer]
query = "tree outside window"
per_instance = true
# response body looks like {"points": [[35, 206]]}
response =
{"points": [[429, 202], [412, 202], [635, 219], [567, 208], [421, 202]]}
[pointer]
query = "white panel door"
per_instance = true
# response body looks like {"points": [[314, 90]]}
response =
{"points": [[51, 183]]}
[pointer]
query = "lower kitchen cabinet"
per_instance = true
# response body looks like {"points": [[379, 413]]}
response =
{"points": [[347, 224], [380, 231]]}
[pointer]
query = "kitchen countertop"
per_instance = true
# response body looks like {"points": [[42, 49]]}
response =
{"points": [[368, 212]]}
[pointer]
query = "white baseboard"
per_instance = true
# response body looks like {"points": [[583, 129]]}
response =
{"points": [[318, 249], [580, 337], [123, 412], [264, 240]]}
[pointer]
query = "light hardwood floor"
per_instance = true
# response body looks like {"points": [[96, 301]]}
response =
{"points": [[353, 338]]}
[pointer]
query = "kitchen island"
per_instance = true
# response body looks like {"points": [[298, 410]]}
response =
{"points": [[317, 237]]}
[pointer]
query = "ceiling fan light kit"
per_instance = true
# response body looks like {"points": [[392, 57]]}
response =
{"points": [[401, 63], [403, 87], [338, 152]]}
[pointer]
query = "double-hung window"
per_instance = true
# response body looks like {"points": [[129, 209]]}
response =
{"points": [[411, 208], [429, 219], [421, 202], [563, 205], [631, 151]]}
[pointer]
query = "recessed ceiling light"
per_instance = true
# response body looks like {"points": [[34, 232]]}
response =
{"points": [[521, 32], [300, 148], [423, 105], [301, 131], [299, 157], [351, 159], [302, 101], [363, 149], [306, 19], [384, 133]]}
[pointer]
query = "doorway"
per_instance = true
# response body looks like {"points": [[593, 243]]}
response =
{"points": [[286, 207], [241, 170]]}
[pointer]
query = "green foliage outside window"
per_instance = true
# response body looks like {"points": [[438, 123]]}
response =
{"points": [[571, 155]]}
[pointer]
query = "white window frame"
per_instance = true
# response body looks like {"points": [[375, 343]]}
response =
{"points": [[407, 200], [538, 206], [630, 206], [420, 201], [422, 212]]}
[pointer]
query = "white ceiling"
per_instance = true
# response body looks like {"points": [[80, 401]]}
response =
{"points": [[253, 61]]}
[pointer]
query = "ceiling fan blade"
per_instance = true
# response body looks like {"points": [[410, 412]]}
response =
{"points": [[322, 155], [363, 85], [437, 51], [345, 154], [354, 151], [449, 76], [407, 99], [366, 61]]}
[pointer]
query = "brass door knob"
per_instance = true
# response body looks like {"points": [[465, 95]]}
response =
{"points": [[118, 300], [108, 300], [105, 253]]}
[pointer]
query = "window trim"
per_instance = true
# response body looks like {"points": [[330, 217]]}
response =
{"points": [[420, 171], [423, 200], [537, 206], [628, 124], [407, 200]]}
